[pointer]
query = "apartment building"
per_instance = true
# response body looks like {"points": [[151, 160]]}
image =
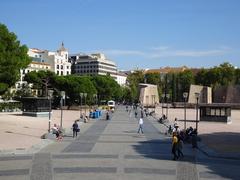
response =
{"points": [[48, 60], [93, 64]]}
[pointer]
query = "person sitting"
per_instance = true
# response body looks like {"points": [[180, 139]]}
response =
{"points": [[56, 130]]}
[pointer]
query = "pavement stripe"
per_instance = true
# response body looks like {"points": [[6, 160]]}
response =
{"points": [[149, 156], [86, 170], [14, 172], [88, 156], [9, 158], [89, 138], [41, 167], [187, 169], [150, 171]]}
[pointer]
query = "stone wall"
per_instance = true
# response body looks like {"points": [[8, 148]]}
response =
{"points": [[204, 91], [148, 95], [227, 94]]}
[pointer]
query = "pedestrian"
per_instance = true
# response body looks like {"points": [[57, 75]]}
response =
{"points": [[75, 129], [136, 114], [142, 113], [174, 146], [56, 130], [107, 115], [179, 146], [140, 123]]}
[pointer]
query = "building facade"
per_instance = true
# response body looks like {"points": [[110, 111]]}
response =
{"points": [[93, 64], [121, 79], [47, 60]]}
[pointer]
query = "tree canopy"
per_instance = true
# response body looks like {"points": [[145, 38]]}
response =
{"points": [[13, 57]]}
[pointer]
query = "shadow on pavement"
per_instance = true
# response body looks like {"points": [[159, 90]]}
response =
{"points": [[208, 167], [223, 142]]}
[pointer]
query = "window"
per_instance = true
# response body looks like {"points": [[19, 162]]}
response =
{"points": [[57, 72], [61, 72], [57, 66], [67, 73], [61, 66]]}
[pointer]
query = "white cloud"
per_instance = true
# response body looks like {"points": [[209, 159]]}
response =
{"points": [[166, 51], [160, 48], [124, 52], [189, 53]]}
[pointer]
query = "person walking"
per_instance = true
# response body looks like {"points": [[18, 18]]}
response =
{"points": [[75, 129], [140, 123], [174, 146], [179, 146], [136, 113]]}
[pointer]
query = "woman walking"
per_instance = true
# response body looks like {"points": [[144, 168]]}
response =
{"points": [[174, 146], [75, 129]]}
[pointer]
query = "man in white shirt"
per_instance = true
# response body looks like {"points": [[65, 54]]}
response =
{"points": [[140, 122]]}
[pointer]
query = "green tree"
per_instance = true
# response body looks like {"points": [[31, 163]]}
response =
{"points": [[185, 79], [73, 85], [227, 74], [41, 80], [133, 81], [107, 87], [237, 76], [13, 57]]}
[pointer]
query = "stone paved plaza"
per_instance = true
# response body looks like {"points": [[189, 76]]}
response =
{"points": [[114, 150]]}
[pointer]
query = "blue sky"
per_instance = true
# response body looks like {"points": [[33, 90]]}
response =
{"points": [[133, 33]]}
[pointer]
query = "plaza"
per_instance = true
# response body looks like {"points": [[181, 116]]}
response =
{"points": [[114, 150]]}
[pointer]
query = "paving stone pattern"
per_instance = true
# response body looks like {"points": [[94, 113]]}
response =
{"points": [[114, 150]]}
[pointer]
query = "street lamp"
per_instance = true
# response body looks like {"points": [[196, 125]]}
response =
{"points": [[95, 98], [81, 96], [61, 103], [163, 96], [185, 95], [85, 96], [50, 93], [197, 95], [167, 97]]}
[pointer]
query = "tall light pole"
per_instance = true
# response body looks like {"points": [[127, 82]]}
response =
{"points": [[185, 95], [50, 93], [95, 99], [85, 96], [81, 96], [61, 103], [163, 96], [197, 95], [167, 97]]}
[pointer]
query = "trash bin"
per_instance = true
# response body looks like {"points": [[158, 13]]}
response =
{"points": [[91, 114]]}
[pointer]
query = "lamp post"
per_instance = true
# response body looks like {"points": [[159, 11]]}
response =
{"points": [[167, 97], [162, 103], [50, 93], [95, 99], [85, 96], [197, 95], [81, 96], [61, 103], [185, 95]]}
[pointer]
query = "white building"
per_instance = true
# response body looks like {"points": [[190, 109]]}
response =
{"points": [[121, 79], [53, 61], [94, 64]]}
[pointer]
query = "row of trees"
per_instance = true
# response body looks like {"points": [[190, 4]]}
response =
{"points": [[176, 84], [105, 87]]}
